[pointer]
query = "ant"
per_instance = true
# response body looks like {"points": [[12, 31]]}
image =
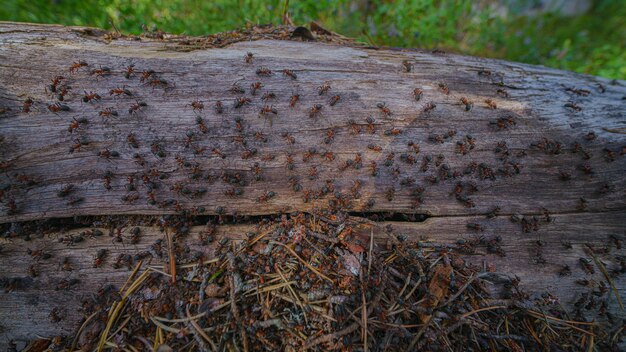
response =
{"points": [[393, 132], [429, 106], [374, 147], [407, 65], [56, 107], [119, 91], [263, 71], [219, 107], [28, 103], [76, 146], [201, 125], [384, 109], [106, 180], [101, 72], [417, 94], [330, 136], [289, 162], [267, 109], [373, 168], [468, 103], [354, 127], [76, 65], [288, 138], [371, 128], [130, 198], [293, 100], [130, 70], [491, 104], [145, 75], [132, 141], [108, 112], [99, 258], [309, 154], [260, 137], [65, 191], [155, 82], [290, 73], [315, 110], [63, 92], [444, 88], [218, 153], [38, 254], [248, 57], [334, 100], [236, 89], [74, 125], [268, 96], [106, 153], [239, 102], [254, 87], [136, 107], [197, 105], [312, 173], [266, 196], [323, 89], [91, 96], [55, 82]]}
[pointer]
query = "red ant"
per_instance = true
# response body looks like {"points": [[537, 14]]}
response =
{"points": [[91, 96], [491, 104], [354, 127], [293, 100], [290, 73], [55, 82], [219, 107], [468, 103], [334, 100], [56, 107], [267, 109], [197, 105], [429, 106], [28, 103], [384, 109], [101, 72], [119, 91], [444, 88], [417, 94], [266, 196], [136, 107], [254, 87], [248, 57], [130, 70], [74, 125], [239, 102], [108, 112], [145, 75], [76, 65], [323, 89], [289, 138], [263, 71], [315, 110]]}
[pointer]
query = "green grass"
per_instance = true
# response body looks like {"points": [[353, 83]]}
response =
{"points": [[593, 43]]}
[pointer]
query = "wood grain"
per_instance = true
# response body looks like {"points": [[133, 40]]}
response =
{"points": [[36, 144]]}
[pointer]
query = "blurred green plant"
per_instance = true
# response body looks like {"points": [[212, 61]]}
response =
{"points": [[593, 43]]}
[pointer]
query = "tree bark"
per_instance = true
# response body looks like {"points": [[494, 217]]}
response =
{"points": [[531, 140]]}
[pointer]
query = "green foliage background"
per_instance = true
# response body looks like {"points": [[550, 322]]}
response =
{"points": [[593, 43]]}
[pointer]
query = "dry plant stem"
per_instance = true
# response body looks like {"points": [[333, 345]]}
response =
{"points": [[304, 262], [171, 255], [233, 302], [199, 330], [351, 328]]}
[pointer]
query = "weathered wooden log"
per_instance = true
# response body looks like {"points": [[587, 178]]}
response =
{"points": [[134, 127]]}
